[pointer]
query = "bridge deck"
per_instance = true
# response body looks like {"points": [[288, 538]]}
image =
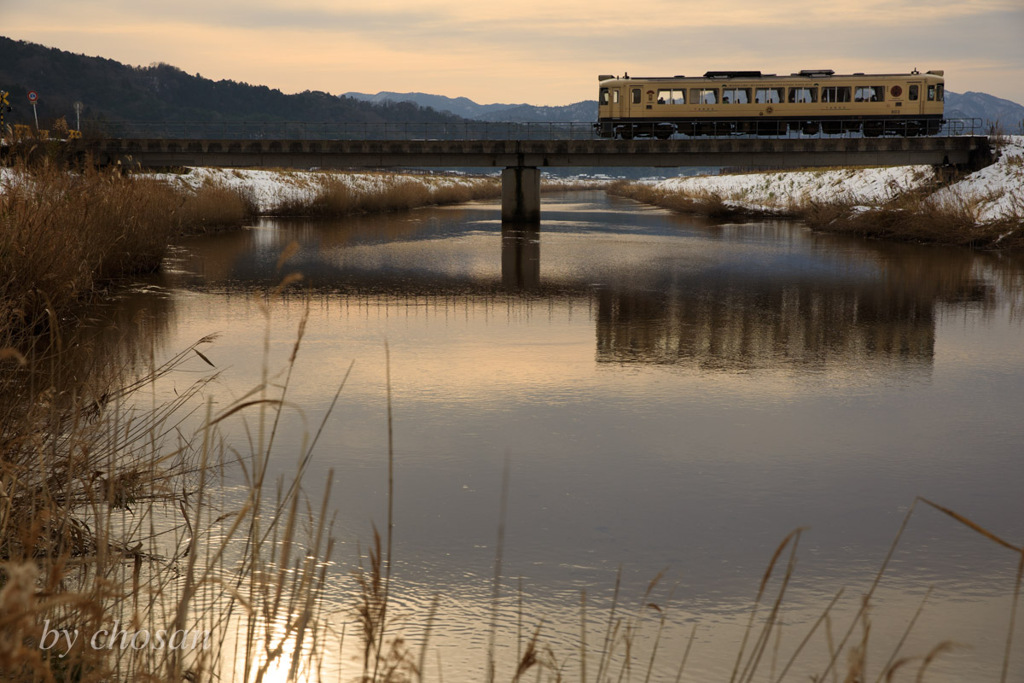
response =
{"points": [[733, 152]]}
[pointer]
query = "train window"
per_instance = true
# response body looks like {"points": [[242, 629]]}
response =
{"points": [[736, 95], [869, 93], [938, 89], [671, 97], [605, 96], [768, 95], [803, 95], [615, 96], [835, 94], [704, 95], [931, 93], [636, 95], [913, 92]]}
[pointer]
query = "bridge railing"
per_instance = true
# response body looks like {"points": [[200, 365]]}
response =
{"points": [[470, 130], [298, 130]]}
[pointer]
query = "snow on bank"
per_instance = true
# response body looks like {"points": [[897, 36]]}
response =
{"points": [[998, 188], [782, 192], [272, 189]]}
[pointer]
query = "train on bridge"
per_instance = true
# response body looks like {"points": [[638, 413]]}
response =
{"points": [[811, 102]]}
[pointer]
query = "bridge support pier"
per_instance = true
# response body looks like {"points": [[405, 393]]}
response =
{"points": [[520, 195]]}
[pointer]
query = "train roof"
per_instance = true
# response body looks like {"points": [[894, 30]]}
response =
{"points": [[757, 75]]}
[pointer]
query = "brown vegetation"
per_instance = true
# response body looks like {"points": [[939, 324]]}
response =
{"points": [[62, 233], [703, 203], [919, 216], [110, 522], [333, 197]]}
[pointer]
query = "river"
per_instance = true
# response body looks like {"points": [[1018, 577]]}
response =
{"points": [[668, 394]]}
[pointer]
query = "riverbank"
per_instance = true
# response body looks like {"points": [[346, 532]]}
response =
{"points": [[63, 235], [325, 193], [984, 209]]}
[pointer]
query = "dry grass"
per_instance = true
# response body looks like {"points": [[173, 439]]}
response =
{"points": [[214, 206], [952, 219], [62, 233], [919, 216], [557, 184], [334, 197], [81, 480], [704, 203], [110, 515]]}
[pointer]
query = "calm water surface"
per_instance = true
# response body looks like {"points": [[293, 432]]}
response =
{"points": [[669, 394]]}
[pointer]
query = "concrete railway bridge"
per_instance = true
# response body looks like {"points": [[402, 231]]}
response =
{"points": [[523, 159]]}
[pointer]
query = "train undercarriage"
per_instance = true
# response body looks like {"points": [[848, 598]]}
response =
{"points": [[664, 129]]}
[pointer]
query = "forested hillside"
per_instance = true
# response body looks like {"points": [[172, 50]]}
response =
{"points": [[114, 92], [111, 91]]}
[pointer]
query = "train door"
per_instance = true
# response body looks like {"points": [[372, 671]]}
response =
{"points": [[915, 97], [617, 105], [634, 107]]}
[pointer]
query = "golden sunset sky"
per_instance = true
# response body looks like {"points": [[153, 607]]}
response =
{"points": [[544, 52]]}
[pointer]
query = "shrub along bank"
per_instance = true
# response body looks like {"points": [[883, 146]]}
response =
{"points": [[984, 209], [64, 235]]}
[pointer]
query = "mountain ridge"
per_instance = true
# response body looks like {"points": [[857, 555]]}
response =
{"points": [[995, 112], [465, 107], [115, 92]]}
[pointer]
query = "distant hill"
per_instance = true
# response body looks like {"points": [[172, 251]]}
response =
{"points": [[994, 111], [112, 91], [991, 110], [461, 106]]}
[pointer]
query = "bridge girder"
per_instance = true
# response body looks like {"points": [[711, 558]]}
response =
{"points": [[777, 153]]}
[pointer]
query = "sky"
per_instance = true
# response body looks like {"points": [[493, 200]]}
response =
{"points": [[542, 52]]}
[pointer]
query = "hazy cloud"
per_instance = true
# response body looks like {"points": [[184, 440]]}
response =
{"points": [[542, 51]]}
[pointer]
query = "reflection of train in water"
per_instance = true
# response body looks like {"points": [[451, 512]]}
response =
{"points": [[749, 102]]}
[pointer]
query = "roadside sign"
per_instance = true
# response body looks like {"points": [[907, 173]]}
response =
{"points": [[33, 97]]}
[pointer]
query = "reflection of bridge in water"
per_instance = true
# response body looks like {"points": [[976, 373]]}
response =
{"points": [[882, 311]]}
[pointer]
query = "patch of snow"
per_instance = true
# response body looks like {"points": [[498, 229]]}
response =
{"points": [[272, 189], [997, 191], [783, 191]]}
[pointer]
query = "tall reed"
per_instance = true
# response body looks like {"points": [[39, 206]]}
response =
{"points": [[65, 234], [332, 195]]}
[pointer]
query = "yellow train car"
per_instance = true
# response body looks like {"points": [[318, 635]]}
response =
{"points": [[751, 103]]}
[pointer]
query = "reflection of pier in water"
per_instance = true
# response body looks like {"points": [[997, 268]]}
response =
{"points": [[520, 257]]}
